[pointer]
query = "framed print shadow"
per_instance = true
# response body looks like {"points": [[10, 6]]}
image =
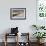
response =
{"points": [[17, 13]]}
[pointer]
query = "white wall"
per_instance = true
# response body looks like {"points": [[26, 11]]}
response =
{"points": [[24, 25]]}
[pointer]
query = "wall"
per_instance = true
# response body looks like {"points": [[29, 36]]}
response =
{"points": [[24, 25]]}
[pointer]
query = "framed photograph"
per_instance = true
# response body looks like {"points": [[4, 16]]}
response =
{"points": [[17, 13], [41, 9], [41, 12]]}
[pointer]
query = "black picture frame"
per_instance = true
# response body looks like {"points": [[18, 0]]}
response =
{"points": [[17, 13]]}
